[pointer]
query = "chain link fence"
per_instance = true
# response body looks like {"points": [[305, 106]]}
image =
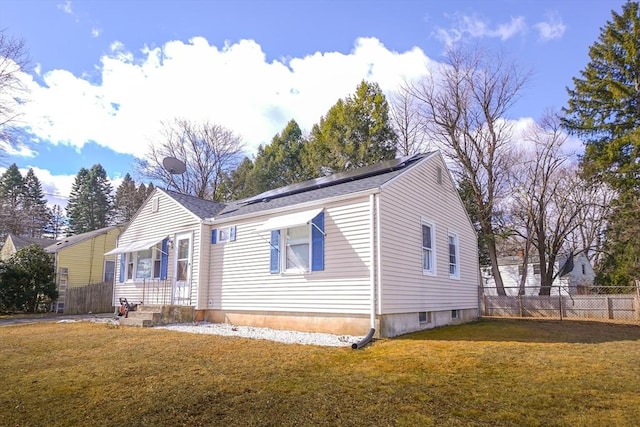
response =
{"points": [[602, 303]]}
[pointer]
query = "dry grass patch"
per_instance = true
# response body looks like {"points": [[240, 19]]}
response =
{"points": [[495, 372]]}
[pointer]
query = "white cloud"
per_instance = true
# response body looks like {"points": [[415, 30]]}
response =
{"points": [[20, 150], [95, 32], [65, 7], [552, 28], [475, 27], [233, 85]]}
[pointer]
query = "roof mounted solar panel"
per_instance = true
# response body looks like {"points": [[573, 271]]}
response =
{"points": [[337, 178]]}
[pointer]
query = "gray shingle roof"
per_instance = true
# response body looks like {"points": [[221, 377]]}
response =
{"points": [[20, 242], [199, 207], [363, 179], [72, 240], [355, 184]]}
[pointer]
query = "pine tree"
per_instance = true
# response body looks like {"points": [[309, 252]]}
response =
{"points": [[279, 163], [12, 213], [127, 200], [604, 105], [604, 110], [57, 222], [355, 132], [35, 206], [90, 204]]}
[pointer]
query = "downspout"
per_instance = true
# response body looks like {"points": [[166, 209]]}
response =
{"points": [[372, 275]]}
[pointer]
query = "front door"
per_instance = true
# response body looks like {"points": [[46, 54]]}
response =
{"points": [[182, 289]]}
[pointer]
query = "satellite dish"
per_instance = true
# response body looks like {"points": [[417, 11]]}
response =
{"points": [[174, 166]]}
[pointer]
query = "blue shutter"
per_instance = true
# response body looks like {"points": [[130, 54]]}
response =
{"points": [[214, 236], [317, 242], [232, 233], [274, 266], [122, 266], [164, 259]]}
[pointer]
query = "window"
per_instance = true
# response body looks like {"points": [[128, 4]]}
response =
{"points": [[455, 314], [536, 268], [109, 271], [227, 234], [439, 175], [302, 247], [297, 248], [129, 265], [424, 317], [428, 261], [453, 256], [144, 264], [520, 270], [157, 260]]}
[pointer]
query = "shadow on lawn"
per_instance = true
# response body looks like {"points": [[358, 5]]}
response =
{"points": [[528, 330]]}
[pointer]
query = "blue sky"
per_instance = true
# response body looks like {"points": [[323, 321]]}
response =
{"points": [[106, 73]]}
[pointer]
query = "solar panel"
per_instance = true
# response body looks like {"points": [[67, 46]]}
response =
{"points": [[337, 178]]}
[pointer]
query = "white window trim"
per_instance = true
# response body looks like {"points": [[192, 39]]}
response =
{"points": [[457, 255], [224, 234], [433, 270], [283, 252], [155, 251]]}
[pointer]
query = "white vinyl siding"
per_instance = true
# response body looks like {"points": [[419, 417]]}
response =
{"points": [[240, 278], [171, 219], [404, 203]]}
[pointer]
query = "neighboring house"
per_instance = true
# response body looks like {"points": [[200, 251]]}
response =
{"points": [[80, 260], [388, 246], [14, 243], [575, 275]]}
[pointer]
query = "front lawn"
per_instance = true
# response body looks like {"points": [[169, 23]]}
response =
{"points": [[492, 372]]}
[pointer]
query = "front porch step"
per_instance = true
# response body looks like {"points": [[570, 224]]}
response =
{"points": [[147, 316]]}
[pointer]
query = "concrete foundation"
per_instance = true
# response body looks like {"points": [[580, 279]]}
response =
{"points": [[388, 325]]}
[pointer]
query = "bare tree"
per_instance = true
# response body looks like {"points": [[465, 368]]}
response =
{"points": [[463, 105], [13, 59], [550, 197], [592, 220], [209, 150], [406, 121]]}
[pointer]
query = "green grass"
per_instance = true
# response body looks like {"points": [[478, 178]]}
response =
{"points": [[488, 373]]}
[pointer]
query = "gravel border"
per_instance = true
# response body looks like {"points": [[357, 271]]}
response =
{"points": [[287, 337]]}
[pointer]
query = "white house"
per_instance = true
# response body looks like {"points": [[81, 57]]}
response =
{"points": [[388, 246], [575, 275]]}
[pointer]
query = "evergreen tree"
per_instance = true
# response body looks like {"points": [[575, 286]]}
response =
{"points": [[279, 163], [604, 105], [355, 132], [127, 200], [604, 110], [57, 222], [11, 202], [35, 206], [90, 204], [238, 183]]}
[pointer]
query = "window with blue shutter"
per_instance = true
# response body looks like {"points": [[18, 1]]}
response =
{"points": [[274, 266], [164, 259], [214, 236], [317, 242], [122, 266], [232, 233]]}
